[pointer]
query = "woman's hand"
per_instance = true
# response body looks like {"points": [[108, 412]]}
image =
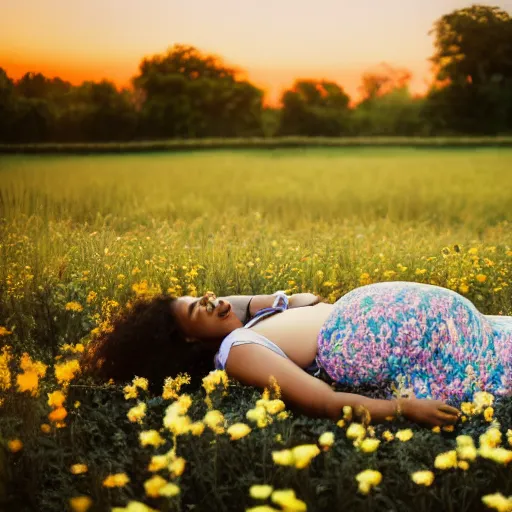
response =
{"points": [[429, 412]]}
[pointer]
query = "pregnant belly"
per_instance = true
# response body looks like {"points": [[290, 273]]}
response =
{"points": [[377, 331]]}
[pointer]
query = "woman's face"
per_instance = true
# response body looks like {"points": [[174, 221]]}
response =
{"points": [[205, 318]]}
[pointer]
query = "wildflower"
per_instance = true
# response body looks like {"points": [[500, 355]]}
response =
{"points": [[369, 445], [283, 415], [491, 437], [137, 413], [404, 435], [196, 428], [77, 404], [150, 437], [262, 508], [213, 379], [74, 306], [238, 430], [80, 503], [177, 466], [28, 381], [304, 454], [140, 382], [78, 469], [91, 297], [65, 372], [260, 492], [287, 499], [272, 406], [215, 421], [56, 398], [448, 428], [387, 436], [258, 415], [467, 408], [446, 460], [45, 428], [169, 490], [5, 373], [172, 386], [58, 414], [482, 399], [134, 506], [116, 480], [4, 331], [158, 462], [499, 455], [14, 445], [283, 457], [423, 477], [498, 502], [153, 485], [436, 429], [367, 479], [183, 404], [27, 365], [356, 431], [481, 278], [326, 440], [488, 414], [509, 436], [463, 464]]}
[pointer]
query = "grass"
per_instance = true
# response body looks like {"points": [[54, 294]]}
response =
{"points": [[319, 220]]}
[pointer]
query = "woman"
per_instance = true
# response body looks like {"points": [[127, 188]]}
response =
{"points": [[426, 338]]}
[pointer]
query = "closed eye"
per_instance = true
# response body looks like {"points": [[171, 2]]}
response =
{"points": [[191, 307]]}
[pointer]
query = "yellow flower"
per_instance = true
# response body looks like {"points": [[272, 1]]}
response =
{"points": [[116, 480], [80, 503], [464, 465], [78, 469], [467, 408], [404, 435], [215, 421], [137, 413], [436, 429], [509, 436], [177, 466], [28, 381], [158, 462], [74, 306], [258, 415], [140, 382], [4, 331], [169, 490], [488, 414], [172, 386], [5, 373], [260, 492], [356, 431], [263, 508], [45, 428], [286, 498], [463, 288], [491, 438], [499, 455], [387, 436], [58, 414], [369, 445], [283, 415], [367, 479], [197, 428], [153, 485], [420, 271], [283, 457], [304, 454], [14, 445], [238, 430], [215, 378], [27, 365], [56, 398], [150, 437], [466, 452], [463, 441], [134, 506], [481, 278], [448, 428], [498, 502], [446, 460], [272, 406], [65, 372], [423, 477], [326, 440]]}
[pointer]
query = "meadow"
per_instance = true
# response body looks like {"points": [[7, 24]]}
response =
{"points": [[82, 236]]}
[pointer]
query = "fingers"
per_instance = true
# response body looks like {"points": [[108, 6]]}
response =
{"points": [[449, 409]]}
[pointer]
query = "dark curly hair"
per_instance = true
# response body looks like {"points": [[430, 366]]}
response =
{"points": [[147, 341]]}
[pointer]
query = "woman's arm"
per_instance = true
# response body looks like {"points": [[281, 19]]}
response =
{"points": [[254, 364]]}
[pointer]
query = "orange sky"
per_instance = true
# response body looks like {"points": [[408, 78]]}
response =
{"points": [[275, 41]]}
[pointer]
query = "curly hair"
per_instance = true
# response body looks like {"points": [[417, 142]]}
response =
{"points": [[146, 341]]}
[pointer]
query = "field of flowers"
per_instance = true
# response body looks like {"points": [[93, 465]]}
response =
{"points": [[83, 236]]}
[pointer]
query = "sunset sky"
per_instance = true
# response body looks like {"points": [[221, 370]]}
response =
{"points": [[275, 41]]}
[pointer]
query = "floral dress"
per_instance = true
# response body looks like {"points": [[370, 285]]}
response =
{"points": [[415, 338]]}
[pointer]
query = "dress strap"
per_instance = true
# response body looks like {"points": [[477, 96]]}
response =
{"points": [[280, 304]]}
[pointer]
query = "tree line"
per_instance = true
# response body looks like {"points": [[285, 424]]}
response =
{"points": [[185, 93]]}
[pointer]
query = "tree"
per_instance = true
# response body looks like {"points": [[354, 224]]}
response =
{"points": [[314, 108]]}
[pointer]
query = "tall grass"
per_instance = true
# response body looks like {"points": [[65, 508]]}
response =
{"points": [[320, 220]]}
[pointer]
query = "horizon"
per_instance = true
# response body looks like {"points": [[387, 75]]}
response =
{"points": [[92, 42]]}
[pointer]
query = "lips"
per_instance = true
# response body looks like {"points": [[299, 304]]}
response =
{"points": [[224, 309]]}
